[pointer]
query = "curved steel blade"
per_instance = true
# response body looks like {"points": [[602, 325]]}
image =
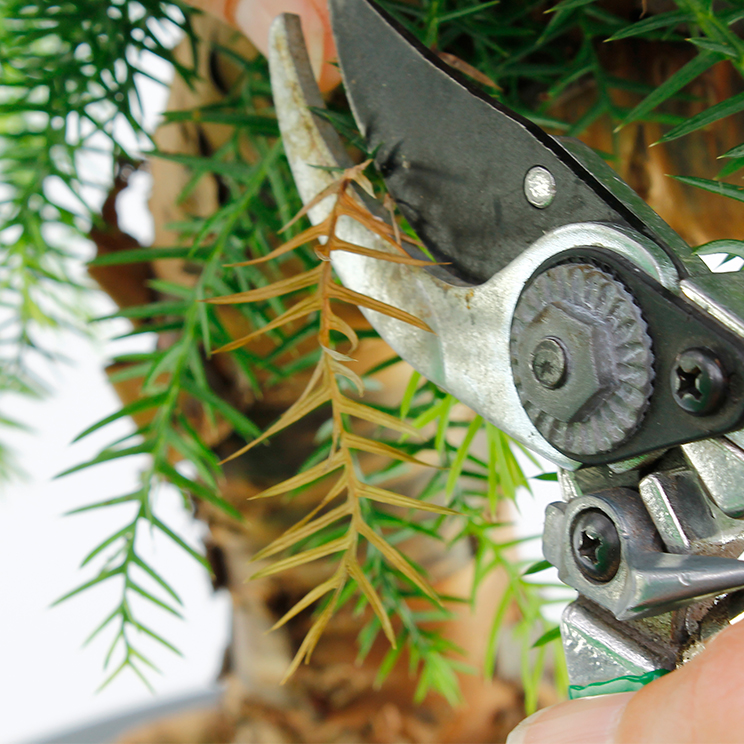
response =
{"points": [[455, 160]]}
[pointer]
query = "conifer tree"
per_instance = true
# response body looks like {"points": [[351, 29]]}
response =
{"points": [[369, 509]]}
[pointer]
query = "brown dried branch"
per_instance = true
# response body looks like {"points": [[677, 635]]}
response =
{"points": [[324, 387]]}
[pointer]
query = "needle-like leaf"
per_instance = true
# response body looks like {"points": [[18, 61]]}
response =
{"points": [[375, 447], [306, 236], [732, 105], [398, 561], [300, 310], [683, 77], [300, 559], [292, 414], [312, 596], [715, 187], [341, 245], [395, 499], [276, 289], [354, 408], [355, 298], [321, 470], [293, 536], [373, 598], [311, 639]]}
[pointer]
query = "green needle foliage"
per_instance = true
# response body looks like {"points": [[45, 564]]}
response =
{"points": [[249, 216], [68, 79], [476, 480], [68, 90]]}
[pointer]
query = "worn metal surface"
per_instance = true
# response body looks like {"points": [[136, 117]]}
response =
{"points": [[671, 554], [686, 514], [596, 545], [569, 488], [549, 363], [309, 140], [720, 295], [468, 355], [658, 495], [671, 591], [539, 187], [599, 649], [720, 465], [606, 378], [699, 382], [455, 159], [648, 581]]}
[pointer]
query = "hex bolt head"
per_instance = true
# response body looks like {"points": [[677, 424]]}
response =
{"points": [[596, 545], [550, 363], [539, 187], [581, 358], [698, 381]]}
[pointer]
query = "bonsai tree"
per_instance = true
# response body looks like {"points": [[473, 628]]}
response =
{"points": [[354, 509]]}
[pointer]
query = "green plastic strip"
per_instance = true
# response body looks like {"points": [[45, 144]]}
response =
{"points": [[621, 684]]}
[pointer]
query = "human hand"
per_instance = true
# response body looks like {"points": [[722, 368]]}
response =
{"points": [[700, 703], [254, 17]]}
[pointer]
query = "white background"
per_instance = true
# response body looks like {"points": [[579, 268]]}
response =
{"points": [[47, 681]]}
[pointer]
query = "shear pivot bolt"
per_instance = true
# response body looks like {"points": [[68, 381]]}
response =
{"points": [[596, 545], [698, 381], [539, 187], [581, 358]]}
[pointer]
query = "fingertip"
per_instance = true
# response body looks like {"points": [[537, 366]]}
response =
{"points": [[703, 701], [700, 703], [329, 76], [590, 720], [254, 18]]}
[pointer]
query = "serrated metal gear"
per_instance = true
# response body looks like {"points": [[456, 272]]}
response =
{"points": [[581, 358]]}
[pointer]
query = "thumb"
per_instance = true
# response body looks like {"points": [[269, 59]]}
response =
{"points": [[700, 703]]}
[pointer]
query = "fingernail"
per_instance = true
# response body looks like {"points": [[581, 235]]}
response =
{"points": [[591, 720]]}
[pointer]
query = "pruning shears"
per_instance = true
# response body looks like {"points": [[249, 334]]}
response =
{"points": [[566, 313]]}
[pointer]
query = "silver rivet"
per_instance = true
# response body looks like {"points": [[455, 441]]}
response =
{"points": [[539, 187]]}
